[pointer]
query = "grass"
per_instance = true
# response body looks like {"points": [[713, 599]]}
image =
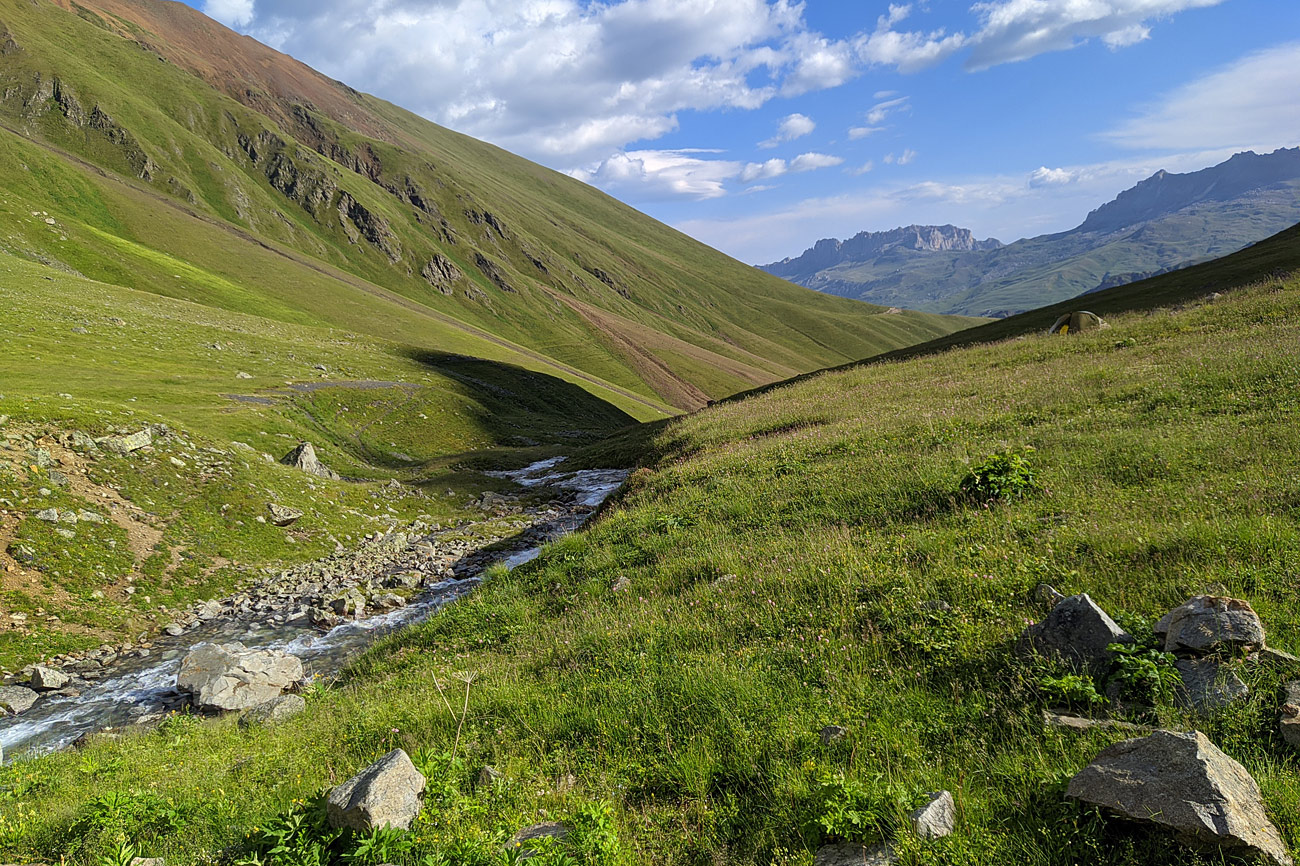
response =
{"points": [[800, 558], [244, 207]]}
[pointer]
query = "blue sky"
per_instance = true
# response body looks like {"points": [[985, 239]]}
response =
{"points": [[760, 126]]}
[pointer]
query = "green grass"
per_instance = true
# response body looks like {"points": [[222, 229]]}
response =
{"points": [[211, 223], [787, 555]]}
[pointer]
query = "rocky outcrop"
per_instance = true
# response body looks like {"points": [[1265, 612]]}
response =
{"points": [[442, 274], [283, 515], [126, 444], [230, 677], [1183, 782], [1207, 623], [492, 272], [385, 794], [855, 854], [1076, 631], [304, 459], [829, 252]]}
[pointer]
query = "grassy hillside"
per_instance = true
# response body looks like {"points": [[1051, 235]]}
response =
{"points": [[793, 560], [182, 159]]}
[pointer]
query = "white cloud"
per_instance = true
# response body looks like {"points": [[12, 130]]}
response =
{"points": [[763, 170], [882, 110], [857, 132], [662, 173], [1250, 103], [862, 169], [232, 13], [792, 127], [902, 159], [814, 161], [908, 51], [1044, 176], [1012, 30]]}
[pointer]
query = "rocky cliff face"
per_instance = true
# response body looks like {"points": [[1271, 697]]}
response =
{"points": [[829, 252]]}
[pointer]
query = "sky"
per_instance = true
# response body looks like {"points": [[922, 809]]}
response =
{"points": [[760, 126]]}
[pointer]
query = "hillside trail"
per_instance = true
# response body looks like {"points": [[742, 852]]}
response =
{"points": [[136, 688]]}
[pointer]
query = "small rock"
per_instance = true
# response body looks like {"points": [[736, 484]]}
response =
{"points": [[148, 861], [937, 818], [282, 515], [174, 629], [546, 830], [623, 584], [48, 679], [487, 776], [832, 733], [855, 854], [1208, 686], [1208, 623], [275, 710], [1183, 782], [304, 459], [242, 375], [49, 515], [16, 699], [124, 445], [385, 794], [1076, 631], [1078, 723]]}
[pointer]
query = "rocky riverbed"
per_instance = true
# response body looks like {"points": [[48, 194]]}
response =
{"points": [[323, 612]]}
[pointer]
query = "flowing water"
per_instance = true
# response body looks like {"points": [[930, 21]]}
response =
{"points": [[137, 689]]}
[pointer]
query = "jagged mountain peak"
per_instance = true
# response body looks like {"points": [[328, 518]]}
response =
{"points": [[829, 252]]}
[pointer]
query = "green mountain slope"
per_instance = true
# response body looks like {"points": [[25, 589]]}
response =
{"points": [[157, 138], [800, 559], [1165, 222]]}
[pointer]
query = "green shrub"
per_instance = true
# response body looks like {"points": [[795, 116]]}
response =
{"points": [[1144, 673], [1003, 475], [1072, 690]]}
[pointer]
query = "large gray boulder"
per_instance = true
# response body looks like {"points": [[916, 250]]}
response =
{"points": [[1183, 782], [275, 710], [304, 458], [1207, 623], [385, 794], [1077, 632], [231, 677], [16, 699], [1208, 686]]}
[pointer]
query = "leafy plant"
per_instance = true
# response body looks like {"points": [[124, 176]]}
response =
{"points": [[1072, 690], [1003, 475], [848, 811], [1144, 673], [381, 845], [120, 854], [593, 836]]}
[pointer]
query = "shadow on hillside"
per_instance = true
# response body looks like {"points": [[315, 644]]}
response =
{"points": [[523, 407]]}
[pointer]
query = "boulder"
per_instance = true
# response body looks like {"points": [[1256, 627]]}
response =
{"points": [[47, 679], [1076, 631], [124, 445], [282, 515], [937, 818], [1290, 714], [1208, 623], [16, 699], [832, 733], [1208, 686], [546, 830], [855, 854], [231, 677], [1183, 782], [275, 710], [385, 794], [304, 458]]}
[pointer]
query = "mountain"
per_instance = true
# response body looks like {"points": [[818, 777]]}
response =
{"points": [[177, 157], [1167, 221]]}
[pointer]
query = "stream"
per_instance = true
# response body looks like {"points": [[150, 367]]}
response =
{"points": [[138, 690]]}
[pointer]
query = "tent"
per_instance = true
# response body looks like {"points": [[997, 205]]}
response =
{"points": [[1079, 320]]}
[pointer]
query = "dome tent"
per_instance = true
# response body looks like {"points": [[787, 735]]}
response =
{"points": [[1074, 322]]}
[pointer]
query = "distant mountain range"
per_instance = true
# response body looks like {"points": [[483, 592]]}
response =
{"points": [[1167, 221]]}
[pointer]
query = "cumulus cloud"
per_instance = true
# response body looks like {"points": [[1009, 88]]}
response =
{"points": [[689, 173], [908, 51], [662, 173], [1247, 104], [792, 127], [232, 13], [1012, 30], [1044, 176]]}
